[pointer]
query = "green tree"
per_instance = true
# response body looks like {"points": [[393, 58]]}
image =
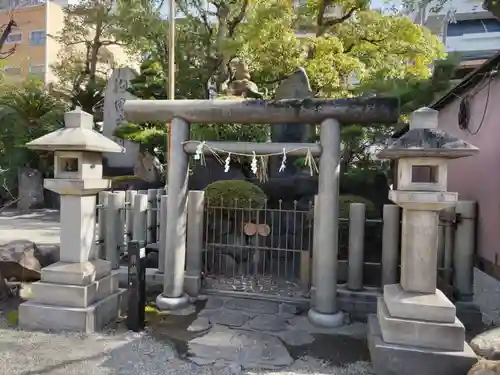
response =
{"points": [[343, 40], [84, 62], [26, 113]]}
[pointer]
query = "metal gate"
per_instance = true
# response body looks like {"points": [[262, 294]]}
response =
{"points": [[263, 249]]}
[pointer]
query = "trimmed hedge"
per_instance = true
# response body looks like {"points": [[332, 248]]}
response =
{"points": [[235, 193]]}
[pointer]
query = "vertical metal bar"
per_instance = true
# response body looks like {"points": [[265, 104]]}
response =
{"points": [[129, 213], [159, 194], [103, 203], [463, 260], [278, 251], [294, 242], [325, 311], [194, 243], [390, 243], [221, 235], [140, 208], [162, 241], [151, 218], [315, 243], [356, 245]]}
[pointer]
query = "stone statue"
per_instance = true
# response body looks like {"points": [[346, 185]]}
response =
{"points": [[241, 85]]}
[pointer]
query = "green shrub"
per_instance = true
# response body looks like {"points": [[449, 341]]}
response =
{"points": [[118, 179], [235, 193]]}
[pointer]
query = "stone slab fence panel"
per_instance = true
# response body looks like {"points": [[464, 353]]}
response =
{"points": [[141, 215]]}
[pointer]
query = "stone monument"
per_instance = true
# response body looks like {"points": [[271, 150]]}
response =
{"points": [[416, 330], [296, 86], [115, 95], [78, 293]]}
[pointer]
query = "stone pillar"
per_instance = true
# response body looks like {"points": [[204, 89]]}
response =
{"points": [[419, 250], [325, 312], [356, 246], [390, 244], [173, 296], [192, 279]]}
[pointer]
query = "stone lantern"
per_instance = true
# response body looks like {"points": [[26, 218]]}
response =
{"points": [[78, 293], [416, 330]]}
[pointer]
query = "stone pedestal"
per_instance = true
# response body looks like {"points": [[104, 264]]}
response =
{"points": [[81, 297]]}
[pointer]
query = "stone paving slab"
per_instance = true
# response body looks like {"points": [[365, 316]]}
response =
{"points": [[262, 307], [245, 348]]}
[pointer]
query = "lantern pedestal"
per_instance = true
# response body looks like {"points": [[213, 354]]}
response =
{"points": [[391, 359]]}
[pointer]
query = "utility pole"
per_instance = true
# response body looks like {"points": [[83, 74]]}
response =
{"points": [[171, 69]]}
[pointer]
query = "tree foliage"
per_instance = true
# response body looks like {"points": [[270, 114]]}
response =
{"points": [[85, 61], [337, 43], [26, 113]]}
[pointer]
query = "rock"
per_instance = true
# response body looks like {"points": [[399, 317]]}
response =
{"points": [[30, 185], [214, 303], [220, 264], [204, 175], [152, 260], [244, 348], [20, 260], [263, 307], [268, 323], [48, 254], [189, 310], [228, 318], [296, 337], [200, 325], [485, 367], [295, 86], [487, 344]]}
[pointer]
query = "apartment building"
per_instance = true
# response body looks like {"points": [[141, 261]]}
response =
{"points": [[465, 29], [36, 51]]}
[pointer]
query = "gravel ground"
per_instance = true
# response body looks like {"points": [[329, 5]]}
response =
{"points": [[122, 353]]}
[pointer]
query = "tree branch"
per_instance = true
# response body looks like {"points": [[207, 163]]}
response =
{"points": [[371, 41], [324, 24], [233, 24]]}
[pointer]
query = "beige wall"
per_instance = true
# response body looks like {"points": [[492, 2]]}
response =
{"points": [[478, 177], [50, 18], [26, 54]]}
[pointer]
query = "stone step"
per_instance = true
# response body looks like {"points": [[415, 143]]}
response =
{"points": [[74, 295], [408, 305], [76, 273], [419, 333], [411, 360], [36, 316]]}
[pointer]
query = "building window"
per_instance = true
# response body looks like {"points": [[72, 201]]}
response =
{"points": [[14, 37], [460, 28], [37, 38], [13, 71], [38, 70]]}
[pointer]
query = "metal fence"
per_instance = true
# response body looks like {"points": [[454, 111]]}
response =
{"points": [[269, 249], [258, 248]]}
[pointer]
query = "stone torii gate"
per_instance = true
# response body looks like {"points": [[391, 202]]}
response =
{"points": [[328, 113]]}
